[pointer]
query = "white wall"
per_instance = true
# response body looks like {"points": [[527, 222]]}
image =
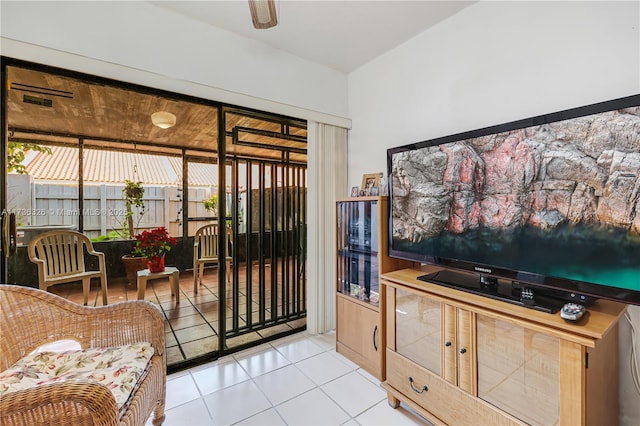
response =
{"points": [[492, 63], [144, 37]]}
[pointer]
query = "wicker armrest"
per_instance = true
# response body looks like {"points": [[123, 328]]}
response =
{"points": [[72, 402], [124, 323]]}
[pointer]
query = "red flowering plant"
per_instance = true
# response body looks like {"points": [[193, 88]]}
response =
{"points": [[153, 243]]}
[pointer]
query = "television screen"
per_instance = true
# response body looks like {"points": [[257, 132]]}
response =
{"points": [[553, 201]]}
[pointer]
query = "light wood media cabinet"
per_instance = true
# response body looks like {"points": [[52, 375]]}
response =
{"points": [[458, 358]]}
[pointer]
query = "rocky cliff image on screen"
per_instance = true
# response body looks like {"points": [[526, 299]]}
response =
{"points": [[560, 199]]}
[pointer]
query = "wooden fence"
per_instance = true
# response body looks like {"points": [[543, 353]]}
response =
{"points": [[104, 209], [42, 204]]}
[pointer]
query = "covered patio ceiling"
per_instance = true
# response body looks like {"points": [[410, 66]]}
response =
{"points": [[44, 107]]}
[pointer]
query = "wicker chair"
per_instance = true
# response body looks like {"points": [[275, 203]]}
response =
{"points": [[31, 317], [206, 249], [59, 255]]}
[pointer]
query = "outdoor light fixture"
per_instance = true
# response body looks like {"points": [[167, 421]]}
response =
{"points": [[163, 119], [263, 13]]}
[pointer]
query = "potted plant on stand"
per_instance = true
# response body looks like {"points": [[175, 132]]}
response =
{"points": [[153, 245]]}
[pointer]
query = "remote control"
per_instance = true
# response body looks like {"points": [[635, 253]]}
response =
{"points": [[572, 311]]}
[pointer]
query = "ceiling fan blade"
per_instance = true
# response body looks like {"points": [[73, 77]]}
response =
{"points": [[263, 13]]}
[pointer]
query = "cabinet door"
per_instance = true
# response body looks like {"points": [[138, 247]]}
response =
{"points": [[459, 349], [358, 236], [371, 349], [418, 329], [466, 351], [450, 345], [359, 330], [518, 370]]}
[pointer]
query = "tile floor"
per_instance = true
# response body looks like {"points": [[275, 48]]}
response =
{"points": [[296, 380]]}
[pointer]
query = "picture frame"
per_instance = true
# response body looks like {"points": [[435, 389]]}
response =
{"points": [[374, 191], [369, 181], [355, 191]]}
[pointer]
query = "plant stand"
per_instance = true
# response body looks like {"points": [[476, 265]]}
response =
{"points": [[169, 271]]}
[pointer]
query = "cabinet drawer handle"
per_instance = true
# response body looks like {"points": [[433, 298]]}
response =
{"points": [[463, 350], [415, 389], [375, 345], [447, 344]]}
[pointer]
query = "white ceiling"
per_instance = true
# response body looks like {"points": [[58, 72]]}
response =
{"points": [[342, 35]]}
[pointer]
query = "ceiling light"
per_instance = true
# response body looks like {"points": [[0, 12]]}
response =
{"points": [[163, 119], [263, 13]]}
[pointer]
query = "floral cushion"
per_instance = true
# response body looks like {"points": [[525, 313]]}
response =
{"points": [[119, 368]]}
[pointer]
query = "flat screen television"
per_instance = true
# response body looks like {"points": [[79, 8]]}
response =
{"points": [[535, 212]]}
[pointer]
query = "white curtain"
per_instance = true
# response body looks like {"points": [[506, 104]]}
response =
{"points": [[327, 181]]}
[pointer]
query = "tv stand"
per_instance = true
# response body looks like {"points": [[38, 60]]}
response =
{"points": [[510, 292], [453, 356]]}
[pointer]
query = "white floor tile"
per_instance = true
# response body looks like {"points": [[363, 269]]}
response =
{"points": [[373, 379], [346, 360], [180, 390], [312, 408], [323, 368], [258, 363], [235, 403], [326, 340], [218, 375], [262, 386], [269, 417], [178, 374], [283, 384], [354, 393], [260, 348], [298, 349], [289, 338], [192, 413], [383, 414]]}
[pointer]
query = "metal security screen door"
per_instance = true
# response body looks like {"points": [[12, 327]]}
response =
{"points": [[265, 203]]}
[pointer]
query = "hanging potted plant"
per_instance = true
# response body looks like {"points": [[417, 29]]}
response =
{"points": [[153, 245], [132, 194], [211, 205]]}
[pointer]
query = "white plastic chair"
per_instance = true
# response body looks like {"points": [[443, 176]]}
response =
{"points": [[59, 255], [206, 251]]}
